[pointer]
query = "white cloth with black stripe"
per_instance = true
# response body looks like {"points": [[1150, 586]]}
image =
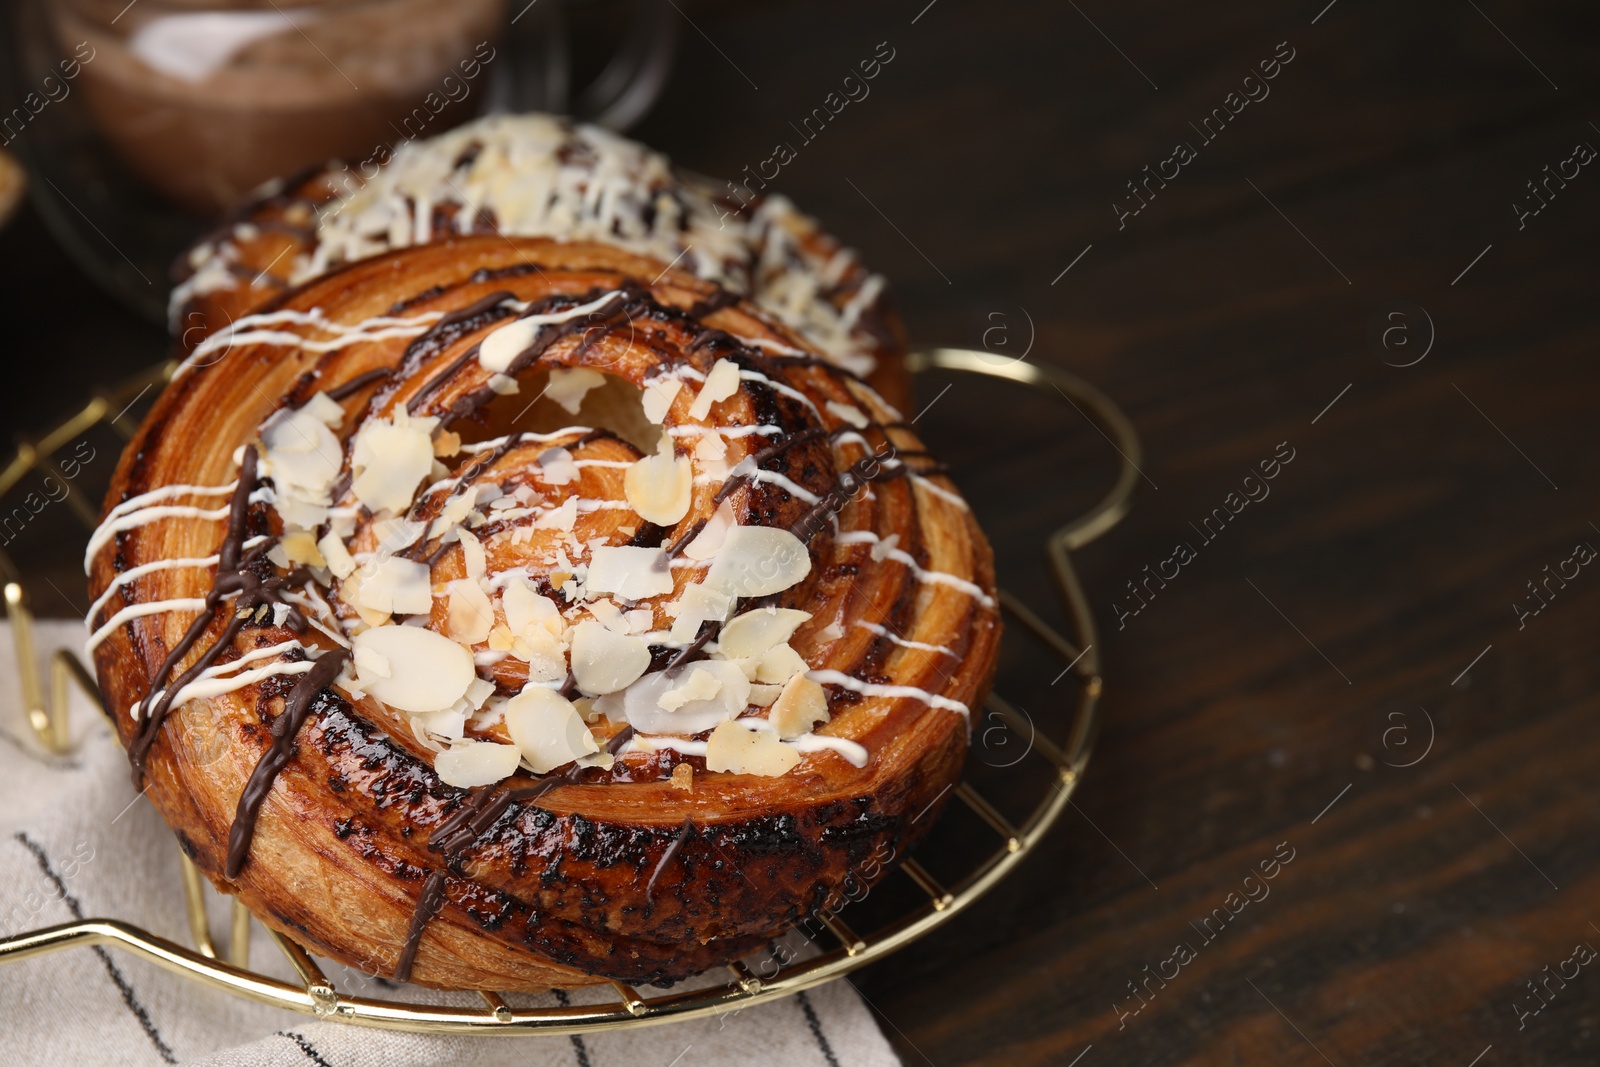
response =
{"points": [[76, 841]]}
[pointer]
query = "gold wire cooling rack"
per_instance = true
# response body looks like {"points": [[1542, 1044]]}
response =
{"points": [[315, 993]]}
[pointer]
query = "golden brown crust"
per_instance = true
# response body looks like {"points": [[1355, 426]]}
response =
{"points": [[557, 891]]}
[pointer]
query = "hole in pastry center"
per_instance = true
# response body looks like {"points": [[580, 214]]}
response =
{"points": [[615, 405]]}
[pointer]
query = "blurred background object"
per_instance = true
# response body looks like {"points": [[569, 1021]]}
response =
{"points": [[13, 183], [166, 113]]}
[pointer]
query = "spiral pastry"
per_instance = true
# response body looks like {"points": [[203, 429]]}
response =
{"points": [[514, 613], [542, 176]]}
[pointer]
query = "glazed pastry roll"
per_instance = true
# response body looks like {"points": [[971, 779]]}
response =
{"points": [[508, 613]]}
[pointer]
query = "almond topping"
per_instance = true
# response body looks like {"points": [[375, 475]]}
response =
{"points": [[721, 383], [779, 664], [427, 671], [628, 571], [470, 616], [605, 662], [447, 443], [758, 561], [754, 632], [739, 749], [547, 728], [390, 458], [659, 487], [475, 763], [802, 704], [568, 386], [658, 397]]}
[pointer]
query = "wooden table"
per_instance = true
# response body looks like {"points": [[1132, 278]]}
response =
{"points": [[1349, 671]]}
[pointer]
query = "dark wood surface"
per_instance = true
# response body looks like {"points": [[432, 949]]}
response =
{"points": [[1359, 618]]}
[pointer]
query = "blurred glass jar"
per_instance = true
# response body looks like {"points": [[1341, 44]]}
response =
{"points": [[205, 103], [146, 120]]}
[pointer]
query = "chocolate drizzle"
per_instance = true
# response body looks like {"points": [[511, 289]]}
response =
{"points": [[666, 858], [233, 576], [427, 906], [548, 335], [358, 383], [296, 706], [462, 829]]}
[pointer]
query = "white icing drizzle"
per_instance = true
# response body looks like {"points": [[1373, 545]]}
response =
{"points": [[227, 677], [924, 482], [873, 689], [136, 611], [972, 589], [779, 387], [249, 330], [134, 573], [894, 638], [112, 527], [764, 430]]}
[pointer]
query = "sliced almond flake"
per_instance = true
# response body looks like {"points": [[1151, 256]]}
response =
{"points": [[561, 518], [709, 540], [699, 604], [479, 692], [754, 632], [605, 662], [390, 457], [641, 702], [803, 704], [739, 749], [395, 534], [497, 350], [547, 729], [504, 385], [881, 549], [700, 684], [336, 555], [427, 671], [324, 409], [658, 397], [370, 664], [629, 571], [301, 455], [659, 487], [568, 386], [683, 777], [763, 695], [710, 446], [300, 546], [472, 555], [758, 561], [848, 413], [525, 608], [556, 466], [779, 664], [470, 764], [609, 615], [470, 615], [446, 443], [395, 585], [710, 457], [454, 511], [640, 620], [500, 639], [721, 383]]}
